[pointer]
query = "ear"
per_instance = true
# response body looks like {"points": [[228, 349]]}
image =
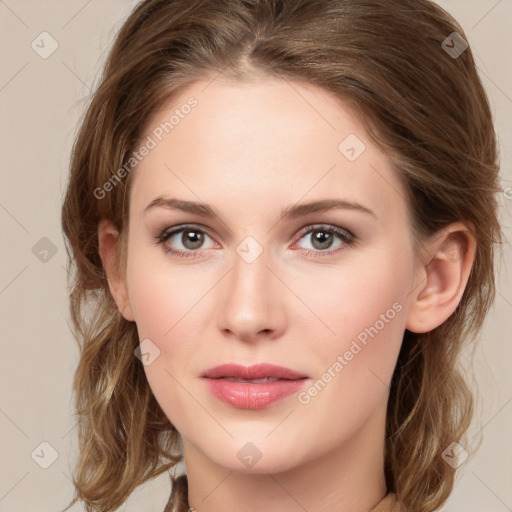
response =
{"points": [[442, 278], [109, 249]]}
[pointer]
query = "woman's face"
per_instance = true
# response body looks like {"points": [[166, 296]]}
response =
{"points": [[323, 293]]}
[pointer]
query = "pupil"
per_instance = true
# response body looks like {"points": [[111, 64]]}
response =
{"points": [[192, 239], [324, 239]]}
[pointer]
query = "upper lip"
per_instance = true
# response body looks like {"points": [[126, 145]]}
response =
{"points": [[257, 371]]}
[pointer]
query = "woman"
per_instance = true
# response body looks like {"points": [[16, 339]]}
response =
{"points": [[282, 215]]}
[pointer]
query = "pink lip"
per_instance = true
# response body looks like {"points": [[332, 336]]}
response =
{"points": [[246, 395], [257, 371]]}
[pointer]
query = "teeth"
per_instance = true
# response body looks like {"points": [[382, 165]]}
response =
{"points": [[253, 381]]}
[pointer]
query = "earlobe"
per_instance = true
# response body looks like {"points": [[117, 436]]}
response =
{"points": [[443, 278], [108, 243]]}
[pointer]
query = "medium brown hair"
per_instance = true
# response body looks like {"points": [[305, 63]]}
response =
{"points": [[424, 107]]}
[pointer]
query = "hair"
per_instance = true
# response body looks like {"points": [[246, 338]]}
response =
{"points": [[424, 108]]}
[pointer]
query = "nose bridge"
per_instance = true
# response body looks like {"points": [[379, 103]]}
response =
{"points": [[250, 299]]}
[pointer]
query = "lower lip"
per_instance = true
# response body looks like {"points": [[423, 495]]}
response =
{"points": [[246, 395]]}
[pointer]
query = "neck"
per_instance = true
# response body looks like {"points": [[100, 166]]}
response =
{"points": [[349, 478]]}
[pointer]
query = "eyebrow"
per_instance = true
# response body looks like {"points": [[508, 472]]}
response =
{"points": [[291, 212]]}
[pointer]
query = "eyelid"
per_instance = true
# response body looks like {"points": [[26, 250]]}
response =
{"points": [[170, 231], [327, 227], [347, 239], [186, 225]]}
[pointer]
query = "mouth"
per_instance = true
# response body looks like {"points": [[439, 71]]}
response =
{"points": [[253, 387], [263, 372], [252, 381]]}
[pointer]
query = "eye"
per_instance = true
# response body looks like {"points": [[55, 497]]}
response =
{"points": [[190, 239], [323, 237]]}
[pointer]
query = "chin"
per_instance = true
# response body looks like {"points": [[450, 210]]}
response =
{"points": [[262, 467], [259, 456]]}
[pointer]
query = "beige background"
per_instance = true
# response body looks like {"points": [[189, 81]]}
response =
{"points": [[40, 103]]}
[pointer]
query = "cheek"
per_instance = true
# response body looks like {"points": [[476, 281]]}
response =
{"points": [[363, 304], [162, 295], [342, 302], [167, 309]]}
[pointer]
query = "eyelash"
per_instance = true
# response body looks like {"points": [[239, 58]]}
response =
{"points": [[346, 236]]}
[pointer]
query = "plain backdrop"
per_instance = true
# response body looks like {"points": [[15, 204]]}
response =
{"points": [[41, 100]]}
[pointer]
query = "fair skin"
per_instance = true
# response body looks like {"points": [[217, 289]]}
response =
{"points": [[251, 150]]}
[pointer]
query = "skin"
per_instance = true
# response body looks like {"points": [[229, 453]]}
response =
{"points": [[250, 150]]}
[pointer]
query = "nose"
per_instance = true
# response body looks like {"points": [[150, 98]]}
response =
{"points": [[251, 301]]}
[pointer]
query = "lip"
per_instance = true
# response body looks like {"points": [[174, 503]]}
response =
{"points": [[248, 395], [257, 371]]}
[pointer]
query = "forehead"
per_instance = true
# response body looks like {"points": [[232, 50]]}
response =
{"points": [[270, 139]]}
